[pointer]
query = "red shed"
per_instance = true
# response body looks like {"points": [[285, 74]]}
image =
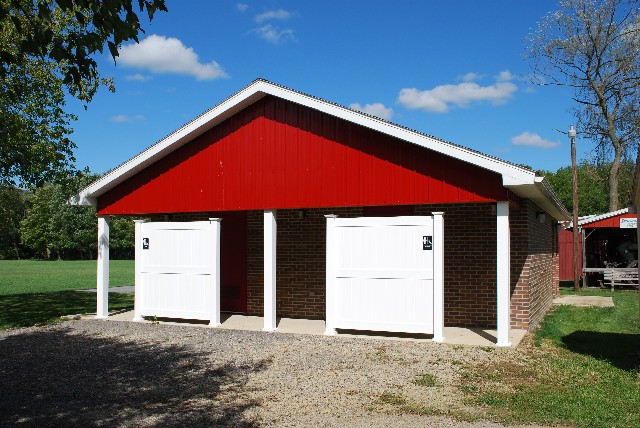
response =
{"points": [[606, 240], [274, 164]]}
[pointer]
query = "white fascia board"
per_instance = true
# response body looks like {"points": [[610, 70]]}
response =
{"points": [[542, 195], [512, 175]]}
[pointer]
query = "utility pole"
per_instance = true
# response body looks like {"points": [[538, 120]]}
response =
{"points": [[574, 191]]}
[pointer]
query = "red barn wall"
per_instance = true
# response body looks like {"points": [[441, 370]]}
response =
{"points": [[565, 238], [608, 222], [276, 154]]}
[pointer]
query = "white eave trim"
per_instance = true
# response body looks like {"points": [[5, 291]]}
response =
{"points": [[541, 193], [512, 175]]}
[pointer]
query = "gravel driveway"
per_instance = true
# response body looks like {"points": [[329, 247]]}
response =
{"points": [[106, 373]]}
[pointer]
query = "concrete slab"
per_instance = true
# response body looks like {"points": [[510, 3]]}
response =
{"points": [[585, 301], [453, 335], [480, 337], [119, 289]]}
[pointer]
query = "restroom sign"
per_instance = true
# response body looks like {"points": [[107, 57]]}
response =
{"points": [[427, 242], [628, 223], [145, 243]]}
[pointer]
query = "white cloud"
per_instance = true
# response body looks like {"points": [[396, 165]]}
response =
{"points": [[121, 118], [470, 77], [375, 109], [504, 76], [242, 7], [274, 34], [138, 77], [279, 14], [533, 140], [441, 98], [160, 54]]}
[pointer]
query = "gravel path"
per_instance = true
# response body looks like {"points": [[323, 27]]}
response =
{"points": [[101, 373]]}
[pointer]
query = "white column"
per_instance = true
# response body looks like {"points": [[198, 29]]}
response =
{"points": [[438, 277], [102, 285], [138, 288], [270, 235], [215, 239], [503, 272], [330, 329]]}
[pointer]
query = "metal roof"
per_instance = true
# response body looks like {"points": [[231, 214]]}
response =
{"points": [[587, 219]]}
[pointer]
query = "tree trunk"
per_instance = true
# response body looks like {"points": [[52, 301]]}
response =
{"points": [[614, 175]]}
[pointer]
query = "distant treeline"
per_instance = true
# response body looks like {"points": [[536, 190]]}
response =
{"points": [[42, 224], [593, 186]]}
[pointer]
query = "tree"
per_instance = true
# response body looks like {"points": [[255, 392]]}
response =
{"points": [[45, 53], [12, 211], [593, 47], [121, 237], [34, 147], [69, 32], [593, 184], [53, 228]]}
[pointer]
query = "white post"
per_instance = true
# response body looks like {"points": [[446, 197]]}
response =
{"points": [[438, 277], [503, 272], [215, 238], [138, 288], [330, 329], [102, 285], [270, 241]]}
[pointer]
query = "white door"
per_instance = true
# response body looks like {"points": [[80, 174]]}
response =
{"points": [[381, 274], [177, 265]]}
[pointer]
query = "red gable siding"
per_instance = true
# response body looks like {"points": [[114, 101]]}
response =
{"points": [[276, 154], [608, 222]]}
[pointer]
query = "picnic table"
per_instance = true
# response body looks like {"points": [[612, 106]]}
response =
{"points": [[616, 276]]}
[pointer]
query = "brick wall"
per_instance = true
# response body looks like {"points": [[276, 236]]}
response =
{"points": [[543, 264], [300, 260], [534, 265], [469, 263], [520, 269], [255, 263]]}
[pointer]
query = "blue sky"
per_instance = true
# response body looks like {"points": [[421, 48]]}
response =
{"points": [[454, 70]]}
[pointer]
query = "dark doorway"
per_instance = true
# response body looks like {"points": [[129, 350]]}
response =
{"points": [[233, 261]]}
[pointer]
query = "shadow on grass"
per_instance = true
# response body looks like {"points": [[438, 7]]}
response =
{"points": [[23, 310], [620, 349], [58, 378]]}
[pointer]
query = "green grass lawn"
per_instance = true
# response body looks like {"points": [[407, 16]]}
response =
{"points": [[34, 292], [581, 368], [36, 276]]}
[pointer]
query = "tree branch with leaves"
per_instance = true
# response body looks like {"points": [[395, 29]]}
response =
{"points": [[593, 47], [46, 51]]}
